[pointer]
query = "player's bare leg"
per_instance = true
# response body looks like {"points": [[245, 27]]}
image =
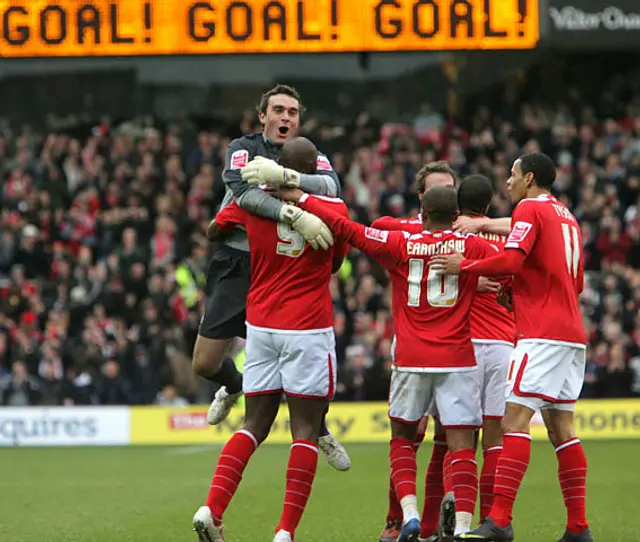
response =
{"points": [[260, 412], [306, 417], [210, 361], [464, 476], [512, 466], [491, 449], [393, 523], [335, 452], [402, 458], [572, 472]]}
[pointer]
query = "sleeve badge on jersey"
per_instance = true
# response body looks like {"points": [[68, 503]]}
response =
{"points": [[239, 159], [519, 232], [376, 235], [323, 163]]}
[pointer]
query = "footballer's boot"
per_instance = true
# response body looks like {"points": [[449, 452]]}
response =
{"points": [[205, 527], [487, 532], [410, 531], [391, 530], [447, 521], [583, 536], [432, 538], [282, 536], [337, 456], [221, 405]]}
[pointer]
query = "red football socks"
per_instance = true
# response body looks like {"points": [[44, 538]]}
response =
{"points": [[446, 473], [572, 473], [395, 510], [464, 474], [512, 465], [433, 488], [231, 464], [403, 467], [487, 479], [303, 461]]}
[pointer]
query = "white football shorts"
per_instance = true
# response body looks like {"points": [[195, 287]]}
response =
{"points": [[493, 366], [546, 375], [298, 364], [455, 395]]}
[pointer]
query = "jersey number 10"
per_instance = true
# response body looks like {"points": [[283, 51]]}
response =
{"points": [[290, 243], [442, 290]]}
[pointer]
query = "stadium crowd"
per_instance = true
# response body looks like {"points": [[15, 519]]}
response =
{"points": [[103, 256]]}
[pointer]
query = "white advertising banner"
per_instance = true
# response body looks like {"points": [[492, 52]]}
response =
{"points": [[65, 426]]}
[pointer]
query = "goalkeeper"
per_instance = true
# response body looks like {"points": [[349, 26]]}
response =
{"points": [[250, 163]]}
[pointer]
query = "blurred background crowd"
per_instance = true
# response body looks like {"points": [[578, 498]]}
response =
{"points": [[103, 256]]}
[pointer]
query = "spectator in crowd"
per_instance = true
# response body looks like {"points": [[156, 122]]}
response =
{"points": [[20, 389], [168, 396]]}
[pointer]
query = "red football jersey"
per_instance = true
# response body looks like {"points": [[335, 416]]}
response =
{"points": [[546, 289], [391, 223], [289, 280], [430, 311], [490, 321]]}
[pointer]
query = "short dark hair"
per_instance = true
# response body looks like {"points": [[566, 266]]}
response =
{"points": [[433, 167], [279, 89], [440, 204], [542, 167], [474, 194], [300, 154]]}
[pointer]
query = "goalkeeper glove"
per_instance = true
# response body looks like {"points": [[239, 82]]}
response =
{"points": [[263, 170], [314, 230]]}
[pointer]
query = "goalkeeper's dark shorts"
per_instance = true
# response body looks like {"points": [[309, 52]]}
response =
{"points": [[228, 279]]}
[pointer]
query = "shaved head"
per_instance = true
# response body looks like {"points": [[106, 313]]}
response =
{"points": [[299, 154], [440, 205]]}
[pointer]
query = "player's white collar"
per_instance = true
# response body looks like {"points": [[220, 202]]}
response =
{"points": [[541, 197]]}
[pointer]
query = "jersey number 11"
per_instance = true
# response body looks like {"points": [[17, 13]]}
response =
{"points": [[571, 248]]}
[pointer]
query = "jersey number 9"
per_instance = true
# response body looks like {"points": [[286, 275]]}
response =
{"points": [[290, 243], [442, 290]]}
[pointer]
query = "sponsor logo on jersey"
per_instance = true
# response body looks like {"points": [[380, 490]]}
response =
{"points": [[376, 235], [239, 159], [323, 163], [519, 232]]}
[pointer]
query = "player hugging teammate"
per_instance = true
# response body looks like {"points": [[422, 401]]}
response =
{"points": [[251, 163], [545, 371], [453, 350], [284, 283]]}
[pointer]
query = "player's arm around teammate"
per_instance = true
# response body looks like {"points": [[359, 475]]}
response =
{"points": [[228, 275], [493, 335], [499, 226], [547, 367], [428, 365], [290, 348]]}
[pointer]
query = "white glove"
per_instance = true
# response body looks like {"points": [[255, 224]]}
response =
{"points": [[314, 230], [263, 170]]}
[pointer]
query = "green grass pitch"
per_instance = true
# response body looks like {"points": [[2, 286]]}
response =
{"points": [[149, 494]]}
